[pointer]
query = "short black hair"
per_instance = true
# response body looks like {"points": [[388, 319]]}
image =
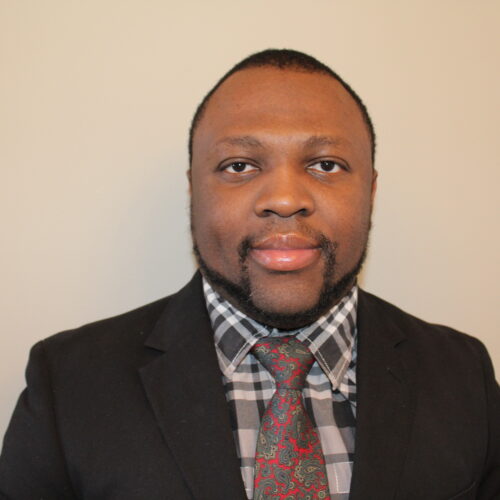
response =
{"points": [[282, 59]]}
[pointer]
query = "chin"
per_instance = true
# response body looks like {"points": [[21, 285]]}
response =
{"points": [[283, 308], [285, 304], [286, 307], [284, 318]]}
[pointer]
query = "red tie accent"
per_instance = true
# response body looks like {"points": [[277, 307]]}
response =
{"points": [[289, 462]]}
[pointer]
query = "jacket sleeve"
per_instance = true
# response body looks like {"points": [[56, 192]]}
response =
{"points": [[32, 464], [489, 487]]}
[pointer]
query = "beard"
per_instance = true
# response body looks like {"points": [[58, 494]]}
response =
{"points": [[240, 293]]}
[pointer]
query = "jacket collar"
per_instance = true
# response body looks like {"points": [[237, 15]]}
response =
{"points": [[184, 387], [386, 399]]}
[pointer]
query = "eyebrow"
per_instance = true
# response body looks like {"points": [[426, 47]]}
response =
{"points": [[244, 140], [322, 140], [249, 141]]}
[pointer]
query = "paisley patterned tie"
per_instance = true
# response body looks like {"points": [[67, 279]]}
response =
{"points": [[289, 462]]}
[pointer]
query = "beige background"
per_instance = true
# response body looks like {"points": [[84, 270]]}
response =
{"points": [[95, 102]]}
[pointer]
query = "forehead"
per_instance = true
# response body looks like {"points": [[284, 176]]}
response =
{"points": [[259, 100]]}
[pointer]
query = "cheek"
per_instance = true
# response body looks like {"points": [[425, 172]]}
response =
{"points": [[216, 229], [347, 209], [349, 221]]}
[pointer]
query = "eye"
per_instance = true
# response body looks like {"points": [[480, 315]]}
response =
{"points": [[326, 167], [239, 167]]}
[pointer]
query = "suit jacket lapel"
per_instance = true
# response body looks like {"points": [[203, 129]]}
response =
{"points": [[183, 385], [184, 388], [386, 402]]}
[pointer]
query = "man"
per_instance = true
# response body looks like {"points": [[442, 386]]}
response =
{"points": [[197, 395]]}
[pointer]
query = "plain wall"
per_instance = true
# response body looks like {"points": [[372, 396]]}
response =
{"points": [[95, 102]]}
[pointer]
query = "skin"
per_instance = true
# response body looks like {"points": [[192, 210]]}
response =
{"points": [[281, 156]]}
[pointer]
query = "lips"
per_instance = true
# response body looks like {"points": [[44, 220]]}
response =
{"points": [[285, 252]]}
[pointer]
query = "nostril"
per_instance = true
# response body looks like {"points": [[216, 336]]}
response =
{"points": [[304, 212], [287, 196]]}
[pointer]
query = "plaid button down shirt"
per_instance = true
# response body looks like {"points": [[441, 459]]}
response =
{"points": [[329, 393]]}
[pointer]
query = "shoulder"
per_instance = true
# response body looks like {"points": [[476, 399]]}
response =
{"points": [[426, 337], [94, 362], [115, 343], [119, 341], [134, 323]]}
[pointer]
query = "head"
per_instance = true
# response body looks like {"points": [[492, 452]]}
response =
{"points": [[282, 185]]}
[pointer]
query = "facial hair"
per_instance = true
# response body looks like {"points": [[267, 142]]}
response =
{"points": [[240, 293]]}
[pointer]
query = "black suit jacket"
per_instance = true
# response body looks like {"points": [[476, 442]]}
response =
{"points": [[133, 407]]}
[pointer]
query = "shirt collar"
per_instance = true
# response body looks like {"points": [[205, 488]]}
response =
{"points": [[331, 338]]}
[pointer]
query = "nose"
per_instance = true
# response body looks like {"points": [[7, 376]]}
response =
{"points": [[284, 193]]}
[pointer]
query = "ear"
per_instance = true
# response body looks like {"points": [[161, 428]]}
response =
{"points": [[188, 173], [374, 185]]}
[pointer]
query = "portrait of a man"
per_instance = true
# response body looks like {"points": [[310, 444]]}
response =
{"points": [[272, 373]]}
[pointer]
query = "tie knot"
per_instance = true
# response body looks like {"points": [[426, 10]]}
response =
{"points": [[286, 359]]}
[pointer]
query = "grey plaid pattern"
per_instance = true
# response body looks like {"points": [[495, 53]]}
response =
{"points": [[329, 393]]}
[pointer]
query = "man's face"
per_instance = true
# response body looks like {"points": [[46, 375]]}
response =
{"points": [[282, 187]]}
